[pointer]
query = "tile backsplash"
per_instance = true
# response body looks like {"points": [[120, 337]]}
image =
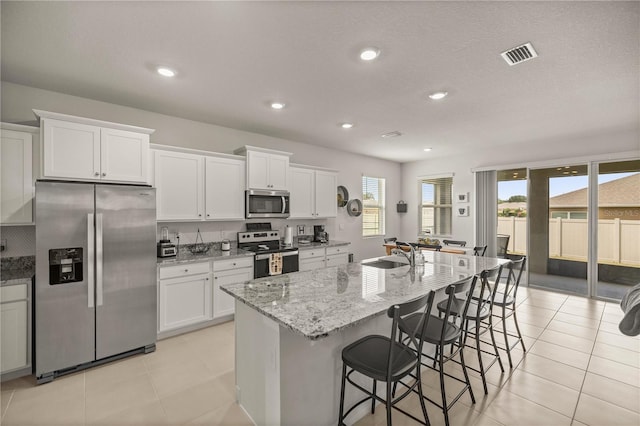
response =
{"points": [[21, 240]]}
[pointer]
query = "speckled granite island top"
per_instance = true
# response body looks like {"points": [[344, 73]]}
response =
{"points": [[324, 301]]}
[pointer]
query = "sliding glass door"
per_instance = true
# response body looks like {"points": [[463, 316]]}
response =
{"points": [[559, 228], [618, 251]]}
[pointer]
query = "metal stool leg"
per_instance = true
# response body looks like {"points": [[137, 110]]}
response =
{"points": [[344, 379]]}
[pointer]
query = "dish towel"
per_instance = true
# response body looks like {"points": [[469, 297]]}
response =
{"points": [[630, 305], [275, 264]]}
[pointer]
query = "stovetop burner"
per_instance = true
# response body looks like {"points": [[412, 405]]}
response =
{"points": [[264, 241]]}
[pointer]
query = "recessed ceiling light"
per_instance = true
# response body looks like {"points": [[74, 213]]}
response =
{"points": [[427, 149], [438, 95], [346, 125], [277, 105], [369, 54], [166, 72]]}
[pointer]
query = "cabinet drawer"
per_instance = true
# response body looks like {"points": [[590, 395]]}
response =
{"points": [[337, 250], [240, 262], [11, 293], [337, 259], [308, 254], [184, 270]]}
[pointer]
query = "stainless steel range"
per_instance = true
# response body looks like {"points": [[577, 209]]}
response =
{"points": [[271, 257]]}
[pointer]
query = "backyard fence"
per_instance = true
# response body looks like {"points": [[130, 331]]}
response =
{"points": [[617, 239]]}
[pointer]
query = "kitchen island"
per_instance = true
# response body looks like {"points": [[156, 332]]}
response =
{"points": [[290, 331]]}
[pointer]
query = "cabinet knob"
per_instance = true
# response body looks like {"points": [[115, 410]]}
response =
{"points": [[199, 215], [215, 278], [186, 270], [96, 174], [234, 263], [207, 279], [208, 215], [104, 174]]}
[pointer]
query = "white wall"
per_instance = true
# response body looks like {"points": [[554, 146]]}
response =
{"points": [[563, 149], [18, 102]]}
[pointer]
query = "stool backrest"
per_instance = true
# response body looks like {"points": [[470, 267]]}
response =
{"points": [[489, 281], [398, 313], [514, 273], [461, 291], [479, 250]]}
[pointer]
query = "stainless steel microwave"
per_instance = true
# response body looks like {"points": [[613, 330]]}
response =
{"points": [[264, 203]]}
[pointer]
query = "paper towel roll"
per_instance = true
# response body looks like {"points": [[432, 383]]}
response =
{"points": [[288, 235]]}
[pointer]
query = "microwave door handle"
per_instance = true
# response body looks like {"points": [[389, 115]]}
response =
{"points": [[284, 204]]}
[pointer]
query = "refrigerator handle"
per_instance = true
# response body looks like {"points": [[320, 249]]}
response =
{"points": [[99, 259], [90, 260]]}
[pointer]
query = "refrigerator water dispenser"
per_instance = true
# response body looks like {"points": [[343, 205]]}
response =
{"points": [[65, 265]]}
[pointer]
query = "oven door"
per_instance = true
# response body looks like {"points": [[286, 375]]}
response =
{"points": [[261, 263], [261, 204]]}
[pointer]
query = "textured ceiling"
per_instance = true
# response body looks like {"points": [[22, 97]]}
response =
{"points": [[233, 58]]}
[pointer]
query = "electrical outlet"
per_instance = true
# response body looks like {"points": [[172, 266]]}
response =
{"points": [[3, 244]]}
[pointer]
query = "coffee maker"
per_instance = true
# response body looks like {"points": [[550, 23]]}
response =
{"points": [[319, 234]]}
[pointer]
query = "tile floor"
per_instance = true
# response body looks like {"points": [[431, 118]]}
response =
{"points": [[578, 370]]}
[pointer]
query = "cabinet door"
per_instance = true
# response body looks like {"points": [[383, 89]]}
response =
{"points": [[278, 171], [16, 181], [225, 185], [301, 193], [223, 304], [325, 194], [179, 181], [310, 264], [124, 156], [13, 325], [337, 259], [257, 170], [71, 150], [184, 301]]}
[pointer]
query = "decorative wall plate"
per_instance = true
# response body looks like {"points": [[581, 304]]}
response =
{"points": [[343, 196], [354, 207]]}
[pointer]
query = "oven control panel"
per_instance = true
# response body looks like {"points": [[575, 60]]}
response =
{"points": [[258, 236]]}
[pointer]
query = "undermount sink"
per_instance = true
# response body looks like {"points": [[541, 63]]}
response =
{"points": [[385, 264]]}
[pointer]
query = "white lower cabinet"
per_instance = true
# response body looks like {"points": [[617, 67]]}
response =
{"points": [[14, 328], [311, 259], [337, 256], [225, 272], [185, 295]]}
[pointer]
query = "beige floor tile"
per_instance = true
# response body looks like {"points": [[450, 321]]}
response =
{"points": [[173, 379], [117, 371], [544, 392], [584, 301], [169, 352], [510, 409], [615, 370], [150, 413], [612, 327], [561, 354], [615, 353], [596, 412], [612, 391], [484, 420], [586, 311], [577, 423], [577, 320], [231, 415], [619, 340], [5, 397], [567, 340], [572, 329], [538, 311], [528, 330], [109, 400], [612, 315], [196, 401], [554, 371], [59, 402]]}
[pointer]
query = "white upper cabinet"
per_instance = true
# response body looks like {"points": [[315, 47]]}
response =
{"points": [[225, 183], [16, 184], [266, 169], [85, 149], [193, 186], [313, 193], [179, 182]]}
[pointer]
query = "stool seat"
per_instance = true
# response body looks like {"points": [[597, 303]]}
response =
{"points": [[433, 329], [475, 312], [370, 356]]}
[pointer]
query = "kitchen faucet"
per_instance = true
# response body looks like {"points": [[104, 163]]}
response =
{"points": [[411, 258]]}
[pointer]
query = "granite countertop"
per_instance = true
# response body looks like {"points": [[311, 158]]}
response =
{"points": [[313, 245], [324, 301], [17, 270], [212, 254]]}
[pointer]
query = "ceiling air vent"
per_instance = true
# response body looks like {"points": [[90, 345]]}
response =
{"points": [[519, 54], [393, 134]]}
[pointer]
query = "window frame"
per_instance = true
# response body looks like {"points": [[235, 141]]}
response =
{"points": [[437, 228], [380, 206]]}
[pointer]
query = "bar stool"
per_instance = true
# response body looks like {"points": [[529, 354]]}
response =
{"points": [[479, 250], [445, 331], [506, 300], [480, 312], [385, 359]]}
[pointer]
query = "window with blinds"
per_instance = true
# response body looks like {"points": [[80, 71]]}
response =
{"points": [[372, 206], [436, 207]]}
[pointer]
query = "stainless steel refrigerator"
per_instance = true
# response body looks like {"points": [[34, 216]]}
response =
{"points": [[95, 294]]}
